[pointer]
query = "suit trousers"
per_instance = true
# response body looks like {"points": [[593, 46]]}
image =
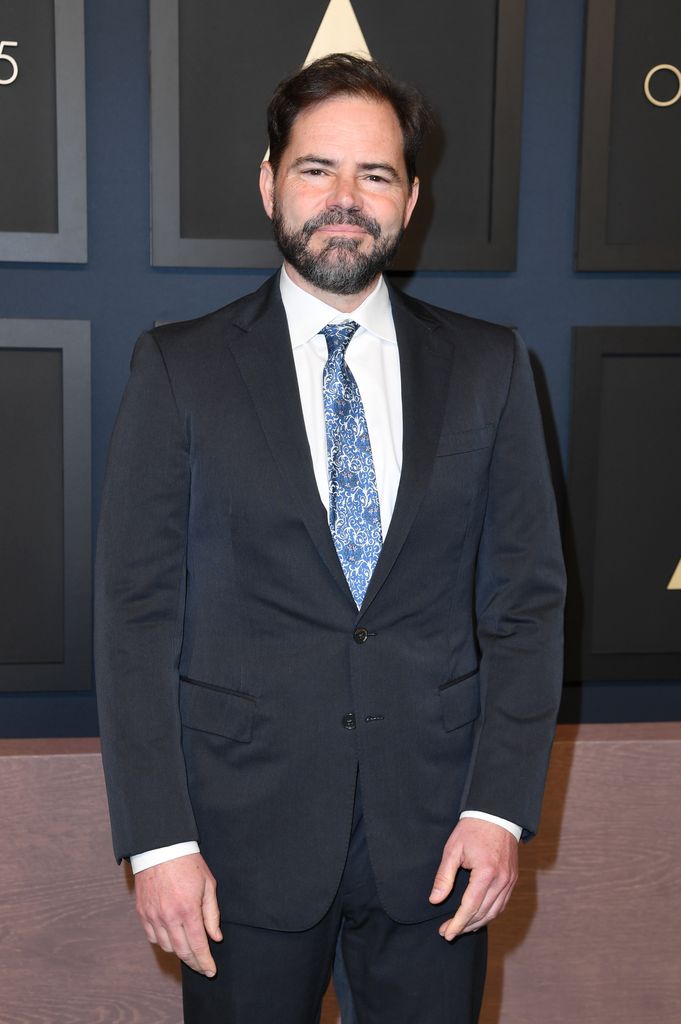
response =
{"points": [[396, 973]]}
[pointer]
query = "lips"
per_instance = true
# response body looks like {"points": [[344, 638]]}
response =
{"points": [[343, 229], [343, 223]]}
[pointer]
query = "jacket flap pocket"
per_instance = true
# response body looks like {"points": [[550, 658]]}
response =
{"points": [[466, 440], [220, 712], [460, 701]]}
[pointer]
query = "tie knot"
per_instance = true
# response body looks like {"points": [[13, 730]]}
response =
{"points": [[338, 336]]}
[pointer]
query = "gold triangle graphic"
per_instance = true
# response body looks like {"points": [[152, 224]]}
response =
{"points": [[338, 32], [675, 581]]}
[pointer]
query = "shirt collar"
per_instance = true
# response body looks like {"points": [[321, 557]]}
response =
{"points": [[306, 314]]}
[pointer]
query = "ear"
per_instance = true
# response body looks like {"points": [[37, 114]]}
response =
{"points": [[267, 186], [411, 202]]}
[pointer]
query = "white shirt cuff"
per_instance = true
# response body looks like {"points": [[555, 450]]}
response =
{"points": [[510, 826], [140, 861]]}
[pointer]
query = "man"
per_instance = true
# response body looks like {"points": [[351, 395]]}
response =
{"points": [[329, 603]]}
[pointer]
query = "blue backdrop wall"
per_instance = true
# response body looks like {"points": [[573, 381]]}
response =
{"points": [[121, 294]]}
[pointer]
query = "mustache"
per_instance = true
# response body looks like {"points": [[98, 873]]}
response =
{"points": [[330, 218]]}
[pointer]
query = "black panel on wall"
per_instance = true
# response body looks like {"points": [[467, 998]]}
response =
{"points": [[43, 208], [624, 609], [630, 200], [229, 63], [32, 509], [466, 58], [45, 550], [28, 167], [644, 194]]}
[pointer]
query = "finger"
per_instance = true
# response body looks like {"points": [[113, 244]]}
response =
{"points": [[497, 907], [211, 913], [496, 890], [149, 932], [197, 943], [163, 938], [444, 878], [183, 950], [492, 903], [455, 925], [471, 901], [182, 947]]}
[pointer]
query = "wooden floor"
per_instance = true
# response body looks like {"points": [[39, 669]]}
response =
{"points": [[592, 934]]}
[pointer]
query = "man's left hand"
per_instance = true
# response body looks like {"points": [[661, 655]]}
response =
{"points": [[490, 852]]}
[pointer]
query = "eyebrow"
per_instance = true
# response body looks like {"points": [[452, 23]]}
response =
{"points": [[310, 158], [386, 168]]}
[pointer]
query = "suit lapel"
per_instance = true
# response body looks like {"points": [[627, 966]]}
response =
{"points": [[263, 354], [262, 351], [425, 366]]}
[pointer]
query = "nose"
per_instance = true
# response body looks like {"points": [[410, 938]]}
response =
{"points": [[345, 193]]}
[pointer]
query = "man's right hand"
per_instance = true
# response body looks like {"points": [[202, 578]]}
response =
{"points": [[177, 904]]}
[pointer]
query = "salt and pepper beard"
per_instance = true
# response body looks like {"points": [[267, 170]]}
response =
{"points": [[340, 267]]}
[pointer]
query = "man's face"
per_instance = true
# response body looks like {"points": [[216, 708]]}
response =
{"points": [[340, 199]]}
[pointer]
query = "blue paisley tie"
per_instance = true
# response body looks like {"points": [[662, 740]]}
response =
{"points": [[354, 514]]}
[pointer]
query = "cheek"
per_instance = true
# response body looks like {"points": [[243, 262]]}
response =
{"points": [[301, 208], [390, 214]]}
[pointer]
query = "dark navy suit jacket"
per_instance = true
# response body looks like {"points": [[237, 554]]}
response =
{"points": [[239, 687]]}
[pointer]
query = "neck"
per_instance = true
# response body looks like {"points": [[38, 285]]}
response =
{"points": [[343, 303]]}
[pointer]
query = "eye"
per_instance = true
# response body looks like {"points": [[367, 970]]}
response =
{"points": [[315, 172]]}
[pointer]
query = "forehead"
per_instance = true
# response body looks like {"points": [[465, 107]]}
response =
{"points": [[347, 126]]}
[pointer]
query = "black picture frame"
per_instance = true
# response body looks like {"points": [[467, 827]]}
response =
{"points": [[624, 505], [622, 133], [68, 244], [71, 340], [493, 248]]}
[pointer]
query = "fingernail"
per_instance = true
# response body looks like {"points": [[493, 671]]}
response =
{"points": [[210, 974]]}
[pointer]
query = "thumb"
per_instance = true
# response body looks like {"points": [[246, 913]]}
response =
{"points": [[211, 913], [444, 877]]}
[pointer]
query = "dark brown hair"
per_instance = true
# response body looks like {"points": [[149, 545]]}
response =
{"points": [[341, 74]]}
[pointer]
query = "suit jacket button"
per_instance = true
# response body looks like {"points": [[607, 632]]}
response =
{"points": [[349, 721], [360, 635]]}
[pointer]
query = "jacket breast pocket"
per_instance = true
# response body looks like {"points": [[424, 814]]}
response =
{"points": [[460, 700], [211, 709], [465, 440]]}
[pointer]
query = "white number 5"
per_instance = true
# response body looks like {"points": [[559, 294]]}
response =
{"points": [[10, 60]]}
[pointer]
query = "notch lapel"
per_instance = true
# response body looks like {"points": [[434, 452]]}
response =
{"points": [[263, 354], [425, 368]]}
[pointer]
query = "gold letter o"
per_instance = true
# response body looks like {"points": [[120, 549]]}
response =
{"points": [[646, 85]]}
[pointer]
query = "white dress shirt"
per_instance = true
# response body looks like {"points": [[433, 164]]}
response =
{"points": [[373, 358]]}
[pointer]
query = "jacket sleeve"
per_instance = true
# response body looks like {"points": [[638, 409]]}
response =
{"points": [[139, 606], [520, 590]]}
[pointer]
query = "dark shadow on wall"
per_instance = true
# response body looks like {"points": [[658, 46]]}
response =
{"points": [[570, 710]]}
